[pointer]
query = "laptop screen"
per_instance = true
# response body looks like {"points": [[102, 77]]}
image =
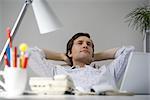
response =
{"points": [[136, 78]]}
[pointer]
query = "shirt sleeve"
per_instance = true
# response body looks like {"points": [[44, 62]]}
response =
{"points": [[39, 64], [118, 66]]}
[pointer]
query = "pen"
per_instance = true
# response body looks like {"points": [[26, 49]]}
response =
{"points": [[6, 60], [18, 61], [8, 54], [15, 57], [11, 57], [21, 61], [25, 62], [8, 30], [9, 48], [23, 47]]}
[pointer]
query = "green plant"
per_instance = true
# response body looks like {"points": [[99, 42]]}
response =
{"points": [[139, 18]]}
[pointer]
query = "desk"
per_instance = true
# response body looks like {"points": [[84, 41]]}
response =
{"points": [[76, 97]]}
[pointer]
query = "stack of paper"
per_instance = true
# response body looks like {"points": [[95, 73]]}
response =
{"points": [[61, 84]]}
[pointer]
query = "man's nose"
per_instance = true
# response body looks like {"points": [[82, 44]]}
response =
{"points": [[85, 45]]}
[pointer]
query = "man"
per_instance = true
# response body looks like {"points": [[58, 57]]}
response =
{"points": [[79, 55], [82, 44]]}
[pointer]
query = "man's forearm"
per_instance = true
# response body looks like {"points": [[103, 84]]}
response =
{"points": [[53, 55], [107, 54]]}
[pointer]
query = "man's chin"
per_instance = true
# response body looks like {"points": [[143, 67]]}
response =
{"points": [[86, 59]]}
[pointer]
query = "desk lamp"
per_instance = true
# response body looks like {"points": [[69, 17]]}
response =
{"points": [[45, 17]]}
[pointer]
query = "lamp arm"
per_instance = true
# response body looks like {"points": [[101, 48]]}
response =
{"points": [[16, 26]]}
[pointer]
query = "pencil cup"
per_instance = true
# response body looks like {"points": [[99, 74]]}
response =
{"points": [[14, 80]]}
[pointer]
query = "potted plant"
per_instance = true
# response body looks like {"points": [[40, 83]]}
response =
{"points": [[139, 19]]}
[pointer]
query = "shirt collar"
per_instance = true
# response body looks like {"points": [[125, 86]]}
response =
{"points": [[74, 67]]}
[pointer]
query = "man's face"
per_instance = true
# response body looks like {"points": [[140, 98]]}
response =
{"points": [[82, 50]]}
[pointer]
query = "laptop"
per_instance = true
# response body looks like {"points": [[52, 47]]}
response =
{"points": [[136, 78]]}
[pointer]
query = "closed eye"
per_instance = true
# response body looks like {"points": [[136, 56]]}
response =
{"points": [[80, 42], [89, 44]]}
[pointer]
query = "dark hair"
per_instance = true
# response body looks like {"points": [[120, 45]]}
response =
{"points": [[71, 41]]}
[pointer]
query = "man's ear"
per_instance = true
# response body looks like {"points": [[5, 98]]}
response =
{"points": [[69, 54]]}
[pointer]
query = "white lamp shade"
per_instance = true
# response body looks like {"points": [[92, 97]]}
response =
{"points": [[46, 19]]}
